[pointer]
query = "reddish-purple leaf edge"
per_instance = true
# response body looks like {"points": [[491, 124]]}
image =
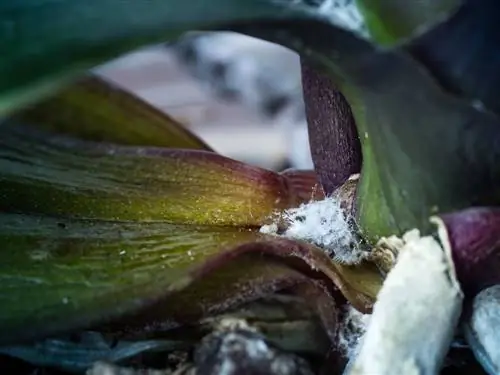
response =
{"points": [[333, 137], [474, 236]]}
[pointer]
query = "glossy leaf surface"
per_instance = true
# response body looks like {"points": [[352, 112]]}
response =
{"points": [[97, 110]]}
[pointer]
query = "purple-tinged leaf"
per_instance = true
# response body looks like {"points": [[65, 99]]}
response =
{"points": [[305, 184], [335, 146], [474, 237], [72, 178], [321, 300], [359, 284]]}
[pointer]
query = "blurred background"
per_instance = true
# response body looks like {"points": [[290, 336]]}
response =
{"points": [[243, 96]]}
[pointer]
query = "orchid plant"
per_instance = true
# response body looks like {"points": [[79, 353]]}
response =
{"points": [[120, 226]]}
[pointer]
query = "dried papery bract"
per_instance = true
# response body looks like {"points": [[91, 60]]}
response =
{"points": [[482, 329], [386, 250], [415, 315]]}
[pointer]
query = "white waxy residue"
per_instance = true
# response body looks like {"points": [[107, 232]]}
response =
{"points": [[352, 328], [324, 224]]}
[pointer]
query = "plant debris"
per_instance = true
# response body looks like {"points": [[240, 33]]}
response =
{"points": [[245, 352], [416, 313]]}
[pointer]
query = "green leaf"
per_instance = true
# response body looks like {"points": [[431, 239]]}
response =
{"points": [[393, 21], [258, 267], [97, 110], [95, 233], [425, 151], [66, 177], [63, 274], [59, 274], [45, 43]]}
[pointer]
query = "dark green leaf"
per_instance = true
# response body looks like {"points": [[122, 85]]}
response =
{"points": [[474, 75], [425, 151], [45, 43]]}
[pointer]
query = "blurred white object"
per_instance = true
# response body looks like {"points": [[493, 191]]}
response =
{"points": [[260, 75], [298, 151], [243, 96]]}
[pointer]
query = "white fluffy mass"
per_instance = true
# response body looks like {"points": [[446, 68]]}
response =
{"points": [[324, 224], [351, 330]]}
